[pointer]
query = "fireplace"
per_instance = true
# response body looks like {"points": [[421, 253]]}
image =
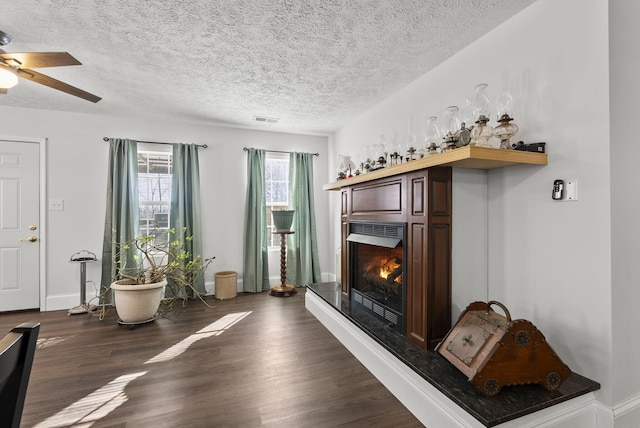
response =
{"points": [[376, 270], [405, 218]]}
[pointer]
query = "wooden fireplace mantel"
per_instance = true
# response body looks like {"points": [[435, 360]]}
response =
{"points": [[472, 157]]}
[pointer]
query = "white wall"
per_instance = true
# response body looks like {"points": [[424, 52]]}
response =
{"points": [[625, 203], [77, 172], [549, 262]]}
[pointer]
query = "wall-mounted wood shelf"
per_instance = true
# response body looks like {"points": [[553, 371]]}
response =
{"points": [[472, 157]]}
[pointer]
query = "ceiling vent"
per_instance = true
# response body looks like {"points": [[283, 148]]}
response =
{"points": [[264, 119]]}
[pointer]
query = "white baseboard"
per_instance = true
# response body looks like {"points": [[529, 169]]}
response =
{"points": [[625, 414], [59, 303], [628, 409], [324, 277], [428, 404]]}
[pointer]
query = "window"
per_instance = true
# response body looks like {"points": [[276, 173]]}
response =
{"points": [[276, 190], [154, 192]]}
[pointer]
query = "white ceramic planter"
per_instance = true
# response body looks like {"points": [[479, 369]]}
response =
{"points": [[137, 303]]}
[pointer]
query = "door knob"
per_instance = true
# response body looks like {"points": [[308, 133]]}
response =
{"points": [[30, 239], [33, 227]]}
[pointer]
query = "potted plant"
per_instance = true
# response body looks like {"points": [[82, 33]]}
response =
{"points": [[151, 276]]}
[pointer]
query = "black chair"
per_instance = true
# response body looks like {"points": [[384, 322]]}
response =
{"points": [[16, 358]]}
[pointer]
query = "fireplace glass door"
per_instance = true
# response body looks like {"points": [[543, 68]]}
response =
{"points": [[376, 274]]}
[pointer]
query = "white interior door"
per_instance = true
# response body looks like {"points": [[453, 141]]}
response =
{"points": [[19, 228]]}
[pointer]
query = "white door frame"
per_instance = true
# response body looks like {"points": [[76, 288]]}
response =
{"points": [[42, 144]]}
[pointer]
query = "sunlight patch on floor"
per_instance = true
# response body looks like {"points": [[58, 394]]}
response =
{"points": [[214, 329], [94, 406], [45, 342]]}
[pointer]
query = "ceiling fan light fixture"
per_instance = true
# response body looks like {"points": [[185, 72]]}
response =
{"points": [[4, 38], [8, 77]]}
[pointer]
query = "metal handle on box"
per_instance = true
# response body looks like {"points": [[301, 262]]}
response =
{"points": [[503, 307]]}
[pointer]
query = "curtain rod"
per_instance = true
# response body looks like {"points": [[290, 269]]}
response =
{"points": [[246, 149], [204, 146]]}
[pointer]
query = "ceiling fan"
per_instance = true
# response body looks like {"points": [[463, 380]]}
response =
{"points": [[14, 65]]}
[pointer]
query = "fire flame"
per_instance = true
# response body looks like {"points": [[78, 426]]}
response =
{"points": [[387, 267]]}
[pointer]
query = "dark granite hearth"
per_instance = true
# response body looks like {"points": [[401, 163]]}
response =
{"points": [[511, 403]]}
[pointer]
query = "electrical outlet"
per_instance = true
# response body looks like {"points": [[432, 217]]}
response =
{"points": [[56, 205]]}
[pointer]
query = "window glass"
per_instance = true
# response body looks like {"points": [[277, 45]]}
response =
{"points": [[276, 190], [154, 191]]}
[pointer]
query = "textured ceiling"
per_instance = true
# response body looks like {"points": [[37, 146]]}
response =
{"points": [[314, 64]]}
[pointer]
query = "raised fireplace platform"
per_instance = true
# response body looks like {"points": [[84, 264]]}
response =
{"points": [[325, 301]]}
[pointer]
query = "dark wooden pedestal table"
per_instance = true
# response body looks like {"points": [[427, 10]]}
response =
{"points": [[284, 289]]}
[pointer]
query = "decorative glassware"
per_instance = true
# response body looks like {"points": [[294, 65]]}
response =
{"points": [[346, 167], [432, 135], [467, 117], [397, 149], [378, 155], [505, 131], [389, 149], [339, 164], [481, 133], [365, 164], [383, 150], [412, 142], [481, 104], [451, 127], [505, 104]]}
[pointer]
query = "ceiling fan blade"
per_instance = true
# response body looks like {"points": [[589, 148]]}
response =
{"points": [[38, 59], [34, 76]]}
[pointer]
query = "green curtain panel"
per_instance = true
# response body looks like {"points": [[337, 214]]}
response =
{"points": [[122, 221], [185, 203], [255, 261], [303, 266]]}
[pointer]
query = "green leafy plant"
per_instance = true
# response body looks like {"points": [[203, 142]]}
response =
{"points": [[144, 261]]}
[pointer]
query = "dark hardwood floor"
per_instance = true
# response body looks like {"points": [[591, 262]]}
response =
{"points": [[276, 367]]}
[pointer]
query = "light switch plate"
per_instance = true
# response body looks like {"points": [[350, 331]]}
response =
{"points": [[571, 191], [56, 205]]}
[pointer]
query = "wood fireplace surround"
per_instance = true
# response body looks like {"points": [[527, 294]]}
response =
{"points": [[421, 200], [419, 194]]}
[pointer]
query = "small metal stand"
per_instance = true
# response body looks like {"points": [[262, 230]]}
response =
{"points": [[83, 257], [283, 290]]}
